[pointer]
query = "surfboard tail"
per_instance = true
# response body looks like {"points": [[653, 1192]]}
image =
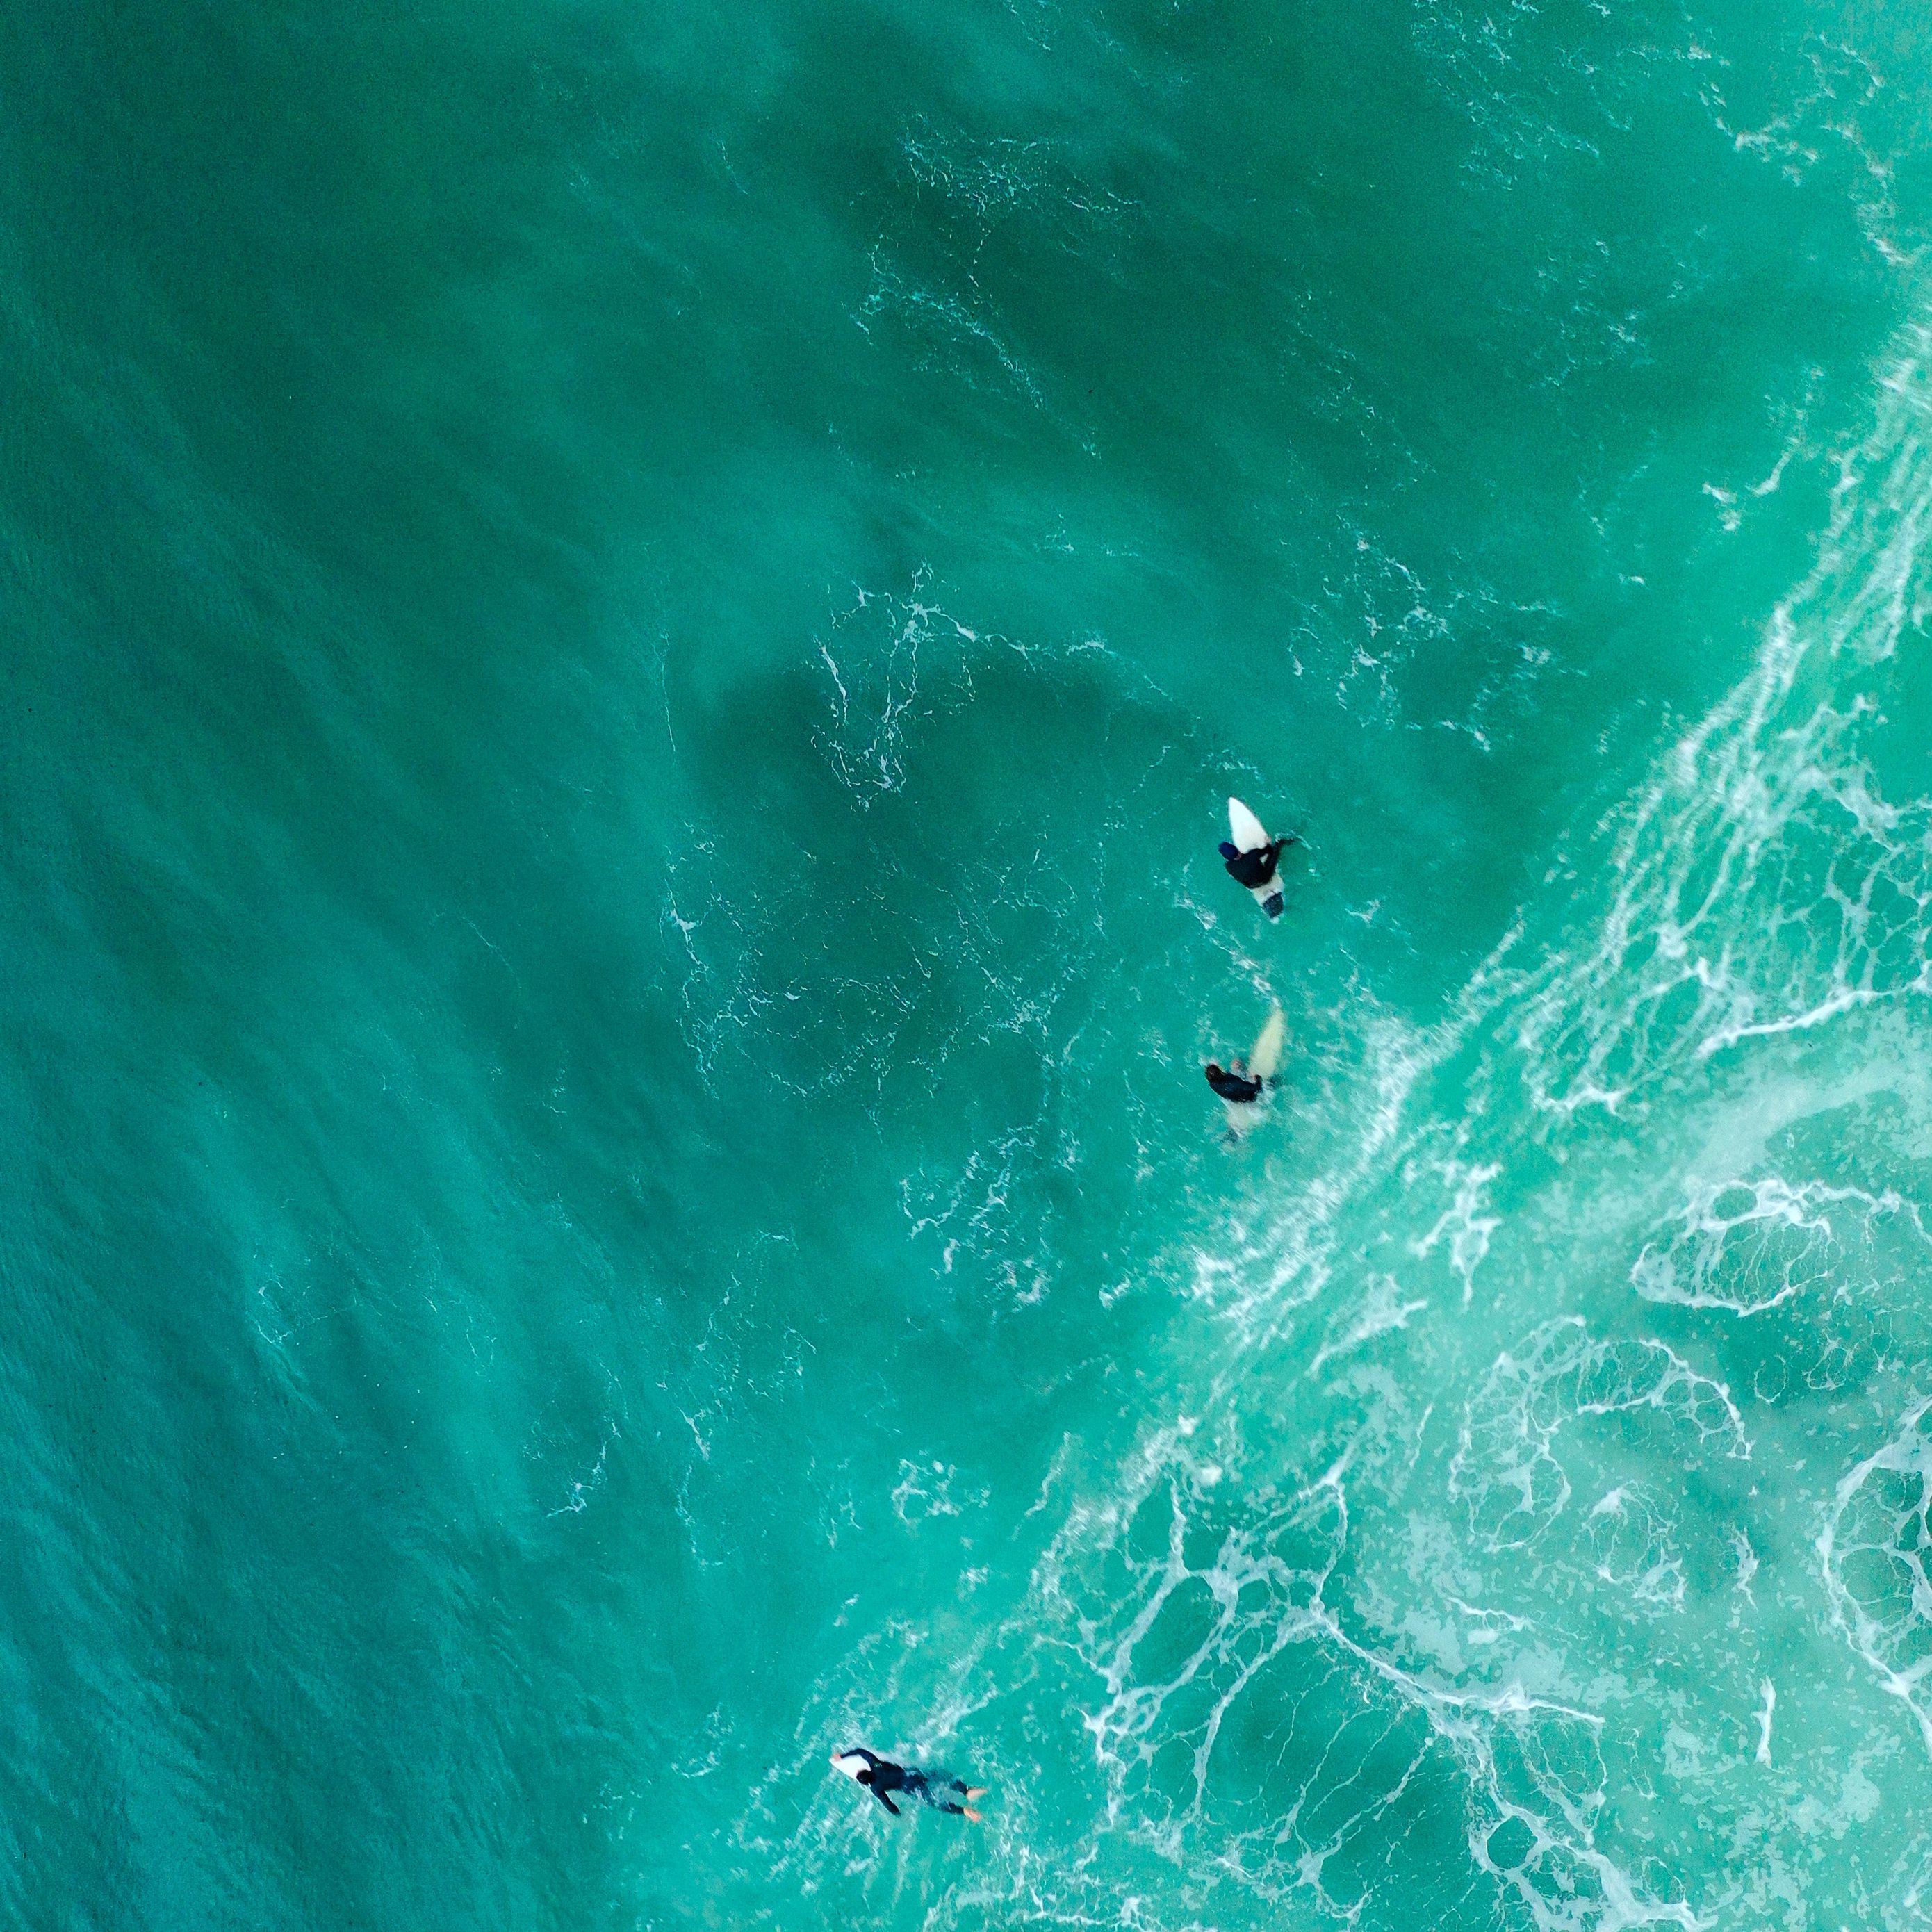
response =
{"points": [[1265, 1061]]}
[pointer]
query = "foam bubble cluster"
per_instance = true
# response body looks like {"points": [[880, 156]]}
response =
{"points": [[1245, 1705], [1506, 1468], [1874, 1551]]}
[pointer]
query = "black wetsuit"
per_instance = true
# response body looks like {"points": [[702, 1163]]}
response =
{"points": [[881, 1775], [1256, 868], [1232, 1086]]}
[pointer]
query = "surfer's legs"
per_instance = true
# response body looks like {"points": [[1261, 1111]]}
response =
{"points": [[920, 1786]]}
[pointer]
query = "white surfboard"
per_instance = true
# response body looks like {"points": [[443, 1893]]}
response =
{"points": [[1263, 1063], [1248, 834]]}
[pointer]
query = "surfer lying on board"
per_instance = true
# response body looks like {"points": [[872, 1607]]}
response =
{"points": [[1231, 1083], [1251, 857], [1256, 868], [879, 1775], [1242, 1086]]}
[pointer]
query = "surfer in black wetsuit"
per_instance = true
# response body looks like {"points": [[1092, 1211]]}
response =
{"points": [[1231, 1083], [879, 1775], [1255, 869]]}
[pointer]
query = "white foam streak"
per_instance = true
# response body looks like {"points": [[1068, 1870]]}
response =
{"points": [[1764, 886]]}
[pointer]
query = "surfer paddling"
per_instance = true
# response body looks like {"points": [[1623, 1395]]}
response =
{"points": [[1233, 1085], [1252, 856], [1243, 1085], [880, 1776], [1255, 868]]}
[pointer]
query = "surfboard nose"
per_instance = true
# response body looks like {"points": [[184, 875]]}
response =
{"points": [[1248, 832]]}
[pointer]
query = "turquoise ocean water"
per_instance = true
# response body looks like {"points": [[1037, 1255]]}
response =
{"points": [[625, 634]]}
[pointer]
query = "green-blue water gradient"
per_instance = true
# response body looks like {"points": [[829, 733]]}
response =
{"points": [[626, 633]]}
